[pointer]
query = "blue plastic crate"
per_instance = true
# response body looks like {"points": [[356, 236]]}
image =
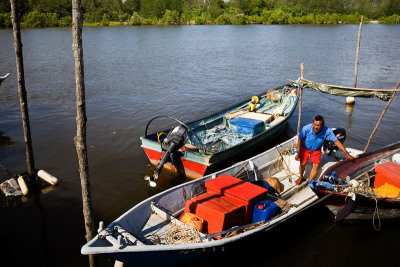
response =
{"points": [[247, 126]]}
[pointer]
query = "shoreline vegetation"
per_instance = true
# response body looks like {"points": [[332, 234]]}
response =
{"points": [[57, 13]]}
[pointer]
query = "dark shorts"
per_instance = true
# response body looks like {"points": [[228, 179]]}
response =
{"points": [[306, 154]]}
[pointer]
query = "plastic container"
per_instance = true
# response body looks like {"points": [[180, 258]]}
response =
{"points": [[264, 211], [238, 191], [192, 220], [388, 172], [218, 212], [247, 126]]}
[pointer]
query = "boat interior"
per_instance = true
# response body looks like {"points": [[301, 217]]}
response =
{"points": [[239, 123], [220, 214]]}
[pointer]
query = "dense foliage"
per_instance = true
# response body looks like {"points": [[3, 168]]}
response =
{"points": [[54, 13]]}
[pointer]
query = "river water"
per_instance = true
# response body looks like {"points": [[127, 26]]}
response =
{"points": [[135, 73]]}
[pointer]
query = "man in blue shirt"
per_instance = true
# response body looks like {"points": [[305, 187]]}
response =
{"points": [[310, 140]]}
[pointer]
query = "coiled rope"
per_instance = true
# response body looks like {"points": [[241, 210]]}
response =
{"points": [[182, 236]]}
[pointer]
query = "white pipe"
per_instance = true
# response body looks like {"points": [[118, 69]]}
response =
{"points": [[23, 186], [47, 177]]}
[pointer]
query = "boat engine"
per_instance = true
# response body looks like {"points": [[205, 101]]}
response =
{"points": [[329, 146], [174, 140]]}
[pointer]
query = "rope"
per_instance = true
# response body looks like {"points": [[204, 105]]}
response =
{"points": [[376, 212], [182, 236], [243, 167]]}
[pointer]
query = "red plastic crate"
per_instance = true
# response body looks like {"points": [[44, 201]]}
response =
{"points": [[239, 191], [388, 172], [218, 212]]}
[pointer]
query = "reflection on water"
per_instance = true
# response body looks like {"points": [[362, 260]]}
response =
{"points": [[5, 140], [135, 73], [349, 111]]}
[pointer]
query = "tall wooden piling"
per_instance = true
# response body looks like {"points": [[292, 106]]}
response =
{"points": [[80, 138], [357, 53], [21, 89], [300, 98]]}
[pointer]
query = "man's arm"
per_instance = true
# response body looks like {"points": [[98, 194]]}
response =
{"points": [[341, 147]]}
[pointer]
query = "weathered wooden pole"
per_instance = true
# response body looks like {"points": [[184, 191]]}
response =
{"points": [[380, 118], [80, 138], [300, 98], [358, 51], [21, 89]]}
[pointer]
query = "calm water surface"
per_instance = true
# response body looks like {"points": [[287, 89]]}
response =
{"points": [[135, 73]]}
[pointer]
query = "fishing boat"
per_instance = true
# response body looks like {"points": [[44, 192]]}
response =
{"points": [[192, 149], [366, 187], [207, 215]]}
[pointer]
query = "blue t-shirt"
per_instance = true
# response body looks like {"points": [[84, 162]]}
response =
{"points": [[313, 142]]}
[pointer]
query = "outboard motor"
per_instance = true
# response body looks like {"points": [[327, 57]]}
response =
{"points": [[175, 140], [329, 146]]}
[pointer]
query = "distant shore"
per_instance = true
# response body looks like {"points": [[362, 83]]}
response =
{"points": [[172, 17]]}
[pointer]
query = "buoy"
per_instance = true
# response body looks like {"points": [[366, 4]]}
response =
{"points": [[252, 106], [47, 177], [396, 158], [350, 100], [23, 186], [118, 264], [255, 99]]}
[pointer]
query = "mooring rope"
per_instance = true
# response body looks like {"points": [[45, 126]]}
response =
{"points": [[179, 235]]}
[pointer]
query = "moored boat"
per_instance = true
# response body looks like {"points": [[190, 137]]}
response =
{"points": [[224, 208], [367, 187], [195, 148]]}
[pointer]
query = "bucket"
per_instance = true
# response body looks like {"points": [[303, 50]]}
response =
{"points": [[264, 211]]}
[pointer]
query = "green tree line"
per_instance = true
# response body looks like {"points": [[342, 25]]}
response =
{"points": [[57, 13]]}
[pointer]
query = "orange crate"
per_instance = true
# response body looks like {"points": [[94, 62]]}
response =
{"points": [[388, 172], [218, 212], [239, 191]]}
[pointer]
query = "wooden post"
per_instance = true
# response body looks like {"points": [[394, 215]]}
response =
{"points": [[300, 98], [80, 138], [21, 89], [358, 51], [380, 118]]}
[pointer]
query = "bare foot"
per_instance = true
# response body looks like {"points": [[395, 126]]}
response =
{"points": [[298, 181]]}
